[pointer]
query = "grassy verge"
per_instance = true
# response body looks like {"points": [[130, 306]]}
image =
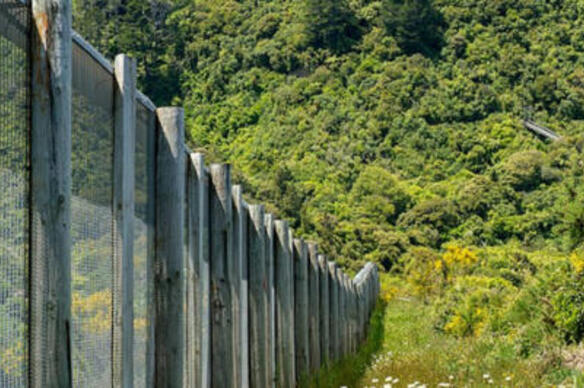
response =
{"points": [[348, 371], [413, 350]]}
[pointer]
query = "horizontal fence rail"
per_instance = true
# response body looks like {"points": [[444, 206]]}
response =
{"points": [[128, 261]]}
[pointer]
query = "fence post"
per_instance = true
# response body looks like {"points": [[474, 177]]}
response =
{"points": [[342, 313], [301, 324], [271, 289], [324, 303], [170, 223], [199, 251], [224, 373], [354, 318], [258, 299], [334, 312], [240, 314], [124, 149], [50, 255], [284, 284], [348, 314], [314, 306]]}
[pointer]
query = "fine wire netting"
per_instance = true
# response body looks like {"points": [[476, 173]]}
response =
{"points": [[14, 186], [92, 221], [143, 242]]}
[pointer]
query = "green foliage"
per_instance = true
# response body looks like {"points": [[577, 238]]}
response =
{"points": [[415, 24], [390, 131], [331, 24]]}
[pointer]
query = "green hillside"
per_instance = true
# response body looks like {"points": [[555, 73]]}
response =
{"points": [[390, 131]]}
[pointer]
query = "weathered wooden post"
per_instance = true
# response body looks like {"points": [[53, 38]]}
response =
{"points": [[334, 312], [240, 305], [352, 316], [271, 289], [342, 313], [349, 314], [284, 284], [314, 307], [170, 248], [362, 312], [224, 368], [200, 254], [259, 301], [50, 343], [123, 209], [301, 325], [324, 303]]}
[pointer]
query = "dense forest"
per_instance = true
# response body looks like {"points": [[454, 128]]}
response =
{"points": [[391, 131]]}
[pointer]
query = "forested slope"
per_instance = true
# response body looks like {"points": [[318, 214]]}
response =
{"points": [[392, 130]]}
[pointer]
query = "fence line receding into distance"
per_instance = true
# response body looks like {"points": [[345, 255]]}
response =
{"points": [[124, 259]]}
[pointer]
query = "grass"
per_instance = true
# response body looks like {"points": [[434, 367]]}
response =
{"points": [[402, 343], [413, 350], [348, 371]]}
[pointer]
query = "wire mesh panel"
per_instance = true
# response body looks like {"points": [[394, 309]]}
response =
{"points": [[143, 244], [14, 208], [92, 221]]}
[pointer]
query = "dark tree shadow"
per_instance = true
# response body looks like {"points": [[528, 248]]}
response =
{"points": [[416, 25]]}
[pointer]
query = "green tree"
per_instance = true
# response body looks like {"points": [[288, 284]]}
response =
{"points": [[415, 24], [331, 24]]}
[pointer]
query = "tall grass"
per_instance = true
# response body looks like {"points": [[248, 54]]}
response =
{"points": [[413, 350], [348, 371]]}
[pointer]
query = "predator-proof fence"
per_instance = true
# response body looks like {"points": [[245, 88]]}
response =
{"points": [[124, 259]]}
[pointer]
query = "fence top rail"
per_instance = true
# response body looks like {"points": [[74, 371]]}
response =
{"points": [[107, 65]]}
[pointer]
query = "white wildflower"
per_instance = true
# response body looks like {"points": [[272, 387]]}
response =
{"points": [[388, 379], [490, 381], [374, 380], [486, 376]]}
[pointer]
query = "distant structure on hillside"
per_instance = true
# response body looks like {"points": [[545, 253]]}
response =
{"points": [[534, 127], [541, 130]]}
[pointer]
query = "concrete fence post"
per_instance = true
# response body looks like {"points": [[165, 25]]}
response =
{"points": [[301, 323], [284, 284], [50, 250], [223, 363], [123, 213], [169, 264], [314, 306]]}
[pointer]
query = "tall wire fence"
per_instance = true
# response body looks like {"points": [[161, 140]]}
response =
{"points": [[246, 294], [14, 207]]}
